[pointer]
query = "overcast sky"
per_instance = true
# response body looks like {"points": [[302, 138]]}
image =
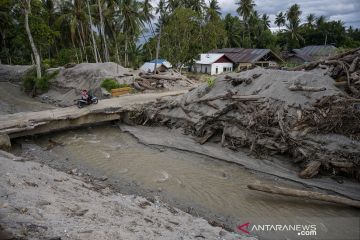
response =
{"points": [[346, 10]]}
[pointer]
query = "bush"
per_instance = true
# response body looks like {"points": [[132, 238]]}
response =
{"points": [[109, 84], [30, 81], [65, 56], [211, 82]]}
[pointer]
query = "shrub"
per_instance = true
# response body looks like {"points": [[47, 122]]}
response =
{"points": [[30, 81], [211, 82], [109, 84]]}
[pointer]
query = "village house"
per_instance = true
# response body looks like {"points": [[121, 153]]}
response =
{"points": [[244, 58], [310, 53], [162, 65], [213, 64]]}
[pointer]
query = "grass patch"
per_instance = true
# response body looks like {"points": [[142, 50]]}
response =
{"points": [[111, 83], [30, 81], [211, 82]]}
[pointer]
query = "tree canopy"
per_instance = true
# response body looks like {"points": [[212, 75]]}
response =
{"points": [[130, 31]]}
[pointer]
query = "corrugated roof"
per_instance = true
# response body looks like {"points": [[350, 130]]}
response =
{"points": [[150, 66], [209, 58], [159, 61], [316, 51], [244, 55]]}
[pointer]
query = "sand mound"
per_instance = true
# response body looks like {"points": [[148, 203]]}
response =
{"points": [[13, 73], [69, 82]]}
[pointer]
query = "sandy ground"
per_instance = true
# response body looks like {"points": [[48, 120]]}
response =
{"points": [[13, 100], [38, 202]]}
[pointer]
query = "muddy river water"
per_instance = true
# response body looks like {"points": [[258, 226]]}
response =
{"points": [[204, 184]]}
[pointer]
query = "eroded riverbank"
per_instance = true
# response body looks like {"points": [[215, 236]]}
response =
{"points": [[197, 184]]}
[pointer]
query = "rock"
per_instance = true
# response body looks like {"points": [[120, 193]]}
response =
{"points": [[103, 178], [105, 93], [5, 143]]}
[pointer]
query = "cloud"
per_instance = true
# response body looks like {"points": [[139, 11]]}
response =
{"points": [[347, 11]]}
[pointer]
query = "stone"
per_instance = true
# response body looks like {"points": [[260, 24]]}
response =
{"points": [[5, 143]]}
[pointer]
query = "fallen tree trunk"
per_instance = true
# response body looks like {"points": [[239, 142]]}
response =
{"points": [[161, 77], [306, 88], [304, 194]]}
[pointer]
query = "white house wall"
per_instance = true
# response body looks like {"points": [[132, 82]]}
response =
{"points": [[203, 68], [211, 69], [220, 67]]}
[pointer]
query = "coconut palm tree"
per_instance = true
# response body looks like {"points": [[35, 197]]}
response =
{"points": [[130, 21], [95, 51], [310, 20], [147, 17], [266, 21], [293, 17], [214, 6], [234, 29], [280, 20], [73, 17], [6, 22], [246, 9], [26, 5], [320, 21], [102, 32]]}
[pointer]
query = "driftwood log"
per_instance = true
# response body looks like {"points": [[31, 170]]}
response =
{"points": [[304, 194], [162, 77], [306, 88]]}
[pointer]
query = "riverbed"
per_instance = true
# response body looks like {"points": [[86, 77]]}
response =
{"points": [[197, 184]]}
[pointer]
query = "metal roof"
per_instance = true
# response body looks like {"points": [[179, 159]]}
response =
{"points": [[316, 51], [158, 61], [209, 58], [244, 55]]}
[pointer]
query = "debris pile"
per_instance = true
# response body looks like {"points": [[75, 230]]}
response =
{"points": [[298, 113], [170, 81], [344, 68]]}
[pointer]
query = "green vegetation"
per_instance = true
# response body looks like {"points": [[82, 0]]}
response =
{"points": [[74, 31], [109, 84], [32, 83], [211, 82]]}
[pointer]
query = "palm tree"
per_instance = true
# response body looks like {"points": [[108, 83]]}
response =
{"points": [[234, 28], [26, 4], [92, 33], [161, 11], [310, 20], [147, 17], [266, 21], [320, 21], [196, 5], [214, 6], [6, 22], [246, 9], [280, 20], [293, 17], [73, 16], [130, 21], [102, 31]]}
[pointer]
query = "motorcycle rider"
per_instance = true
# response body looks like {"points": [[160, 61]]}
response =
{"points": [[85, 96]]}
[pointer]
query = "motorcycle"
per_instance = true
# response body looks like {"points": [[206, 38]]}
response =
{"points": [[81, 102]]}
